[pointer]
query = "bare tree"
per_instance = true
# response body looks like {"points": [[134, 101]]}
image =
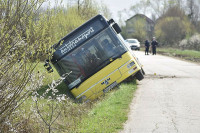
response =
{"points": [[155, 7], [105, 10], [193, 11], [141, 7], [191, 6], [86, 8]]}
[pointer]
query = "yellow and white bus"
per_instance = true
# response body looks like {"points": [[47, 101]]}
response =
{"points": [[96, 57]]}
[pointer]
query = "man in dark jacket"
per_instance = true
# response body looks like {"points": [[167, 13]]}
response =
{"points": [[154, 44], [147, 47]]}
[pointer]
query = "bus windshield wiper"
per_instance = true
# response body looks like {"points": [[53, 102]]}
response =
{"points": [[112, 58]]}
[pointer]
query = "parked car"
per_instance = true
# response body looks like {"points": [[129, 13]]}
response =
{"points": [[134, 44]]}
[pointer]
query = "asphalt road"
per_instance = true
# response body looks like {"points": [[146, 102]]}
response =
{"points": [[168, 99]]}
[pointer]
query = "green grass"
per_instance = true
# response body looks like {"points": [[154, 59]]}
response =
{"points": [[104, 115], [190, 55], [109, 114], [183, 53]]}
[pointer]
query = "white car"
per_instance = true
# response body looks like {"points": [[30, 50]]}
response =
{"points": [[134, 44]]}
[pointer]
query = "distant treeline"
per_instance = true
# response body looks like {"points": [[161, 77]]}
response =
{"points": [[175, 20]]}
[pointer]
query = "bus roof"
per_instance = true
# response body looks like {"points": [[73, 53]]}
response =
{"points": [[79, 36]]}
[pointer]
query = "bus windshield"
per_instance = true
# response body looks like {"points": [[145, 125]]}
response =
{"points": [[90, 57]]}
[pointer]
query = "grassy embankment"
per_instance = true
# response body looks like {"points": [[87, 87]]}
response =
{"points": [[105, 115], [109, 114], [190, 55]]}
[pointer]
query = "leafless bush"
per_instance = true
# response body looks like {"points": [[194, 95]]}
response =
{"points": [[55, 109], [16, 71], [16, 121]]}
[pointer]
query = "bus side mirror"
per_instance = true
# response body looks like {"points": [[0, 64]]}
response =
{"points": [[48, 66], [116, 28]]}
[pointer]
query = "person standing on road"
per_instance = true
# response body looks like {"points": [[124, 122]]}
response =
{"points": [[147, 47], [154, 44]]}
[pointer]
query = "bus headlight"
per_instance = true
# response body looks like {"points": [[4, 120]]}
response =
{"points": [[87, 101], [130, 64], [82, 98]]}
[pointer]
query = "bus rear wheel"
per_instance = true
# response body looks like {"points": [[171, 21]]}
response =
{"points": [[139, 75]]}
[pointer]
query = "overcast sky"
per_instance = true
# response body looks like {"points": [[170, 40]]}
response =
{"points": [[117, 5]]}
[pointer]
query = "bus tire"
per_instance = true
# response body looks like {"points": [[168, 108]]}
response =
{"points": [[139, 75], [143, 72]]}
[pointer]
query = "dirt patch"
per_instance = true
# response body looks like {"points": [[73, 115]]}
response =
{"points": [[158, 76], [155, 76]]}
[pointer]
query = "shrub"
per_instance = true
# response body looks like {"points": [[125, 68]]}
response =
{"points": [[26, 34], [173, 26], [171, 30], [191, 43]]}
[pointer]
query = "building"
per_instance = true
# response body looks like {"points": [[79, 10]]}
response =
{"points": [[139, 23]]}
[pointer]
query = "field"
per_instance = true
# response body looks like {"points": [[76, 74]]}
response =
{"points": [[190, 55]]}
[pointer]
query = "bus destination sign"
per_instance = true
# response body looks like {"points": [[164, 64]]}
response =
{"points": [[78, 37], [73, 43]]}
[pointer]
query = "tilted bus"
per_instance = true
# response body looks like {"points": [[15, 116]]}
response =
{"points": [[96, 59]]}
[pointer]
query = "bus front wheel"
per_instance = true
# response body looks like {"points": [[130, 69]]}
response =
{"points": [[142, 71], [139, 75]]}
